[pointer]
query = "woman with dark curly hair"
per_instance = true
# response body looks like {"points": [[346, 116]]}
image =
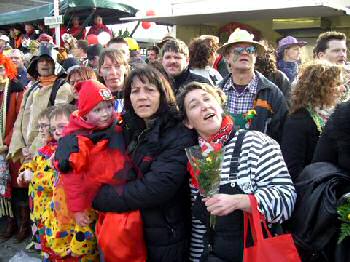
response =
{"points": [[318, 90], [202, 57], [266, 64]]}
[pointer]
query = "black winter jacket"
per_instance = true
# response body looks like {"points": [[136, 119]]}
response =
{"points": [[334, 144], [270, 106], [314, 223], [300, 136], [162, 194], [187, 77]]}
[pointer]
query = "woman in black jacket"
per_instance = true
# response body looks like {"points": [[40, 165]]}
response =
{"points": [[318, 90], [334, 144], [156, 141]]}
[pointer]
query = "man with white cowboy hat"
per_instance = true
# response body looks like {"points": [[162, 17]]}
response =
{"points": [[4, 40], [288, 56], [254, 102]]}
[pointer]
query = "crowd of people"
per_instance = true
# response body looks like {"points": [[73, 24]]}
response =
{"points": [[93, 139]]}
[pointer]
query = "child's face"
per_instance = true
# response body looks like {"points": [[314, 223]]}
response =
{"points": [[57, 124], [44, 128], [100, 116]]}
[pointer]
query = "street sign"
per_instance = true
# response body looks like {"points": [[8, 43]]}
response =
{"points": [[53, 20]]}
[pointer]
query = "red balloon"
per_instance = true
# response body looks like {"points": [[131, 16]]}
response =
{"points": [[146, 25], [92, 39], [150, 13]]}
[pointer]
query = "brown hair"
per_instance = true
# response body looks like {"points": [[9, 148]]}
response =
{"points": [[167, 101], [201, 49], [323, 40], [217, 93], [266, 62], [46, 112], [62, 110], [115, 55], [316, 86], [84, 72], [176, 46]]}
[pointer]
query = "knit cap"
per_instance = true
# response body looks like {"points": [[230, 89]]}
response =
{"points": [[91, 93]]}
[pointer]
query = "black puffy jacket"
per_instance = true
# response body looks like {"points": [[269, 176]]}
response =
{"points": [[162, 193]]}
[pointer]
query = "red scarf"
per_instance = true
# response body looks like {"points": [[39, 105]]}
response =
{"points": [[221, 136]]}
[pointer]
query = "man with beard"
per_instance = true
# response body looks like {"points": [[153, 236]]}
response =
{"points": [[254, 102], [175, 58], [48, 90]]}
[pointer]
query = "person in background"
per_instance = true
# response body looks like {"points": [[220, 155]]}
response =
{"points": [[288, 56], [266, 64], [114, 68], [175, 62], [202, 55], [76, 30], [80, 52], [156, 140], [152, 53], [13, 198], [4, 42], [93, 55], [331, 46], [317, 92], [99, 27], [254, 102], [119, 43], [78, 74], [16, 56], [17, 37]]}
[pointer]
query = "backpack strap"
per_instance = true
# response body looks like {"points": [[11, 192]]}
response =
{"points": [[236, 152], [56, 85]]}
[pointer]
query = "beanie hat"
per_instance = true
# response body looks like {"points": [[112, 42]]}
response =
{"points": [[91, 93]]}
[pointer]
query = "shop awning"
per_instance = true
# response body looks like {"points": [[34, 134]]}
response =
{"points": [[223, 11], [25, 11]]}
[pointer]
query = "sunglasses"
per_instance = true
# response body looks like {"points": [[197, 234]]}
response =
{"points": [[239, 50]]}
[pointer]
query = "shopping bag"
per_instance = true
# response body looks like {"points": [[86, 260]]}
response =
{"points": [[120, 237], [270, 249]]}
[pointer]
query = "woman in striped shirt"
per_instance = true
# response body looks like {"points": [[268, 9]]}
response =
{"points": [[259, 170]]}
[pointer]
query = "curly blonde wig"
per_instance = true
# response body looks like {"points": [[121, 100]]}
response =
{"points": [[316, 86]]}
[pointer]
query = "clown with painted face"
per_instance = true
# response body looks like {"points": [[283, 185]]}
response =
{"points": [[253, 101]]}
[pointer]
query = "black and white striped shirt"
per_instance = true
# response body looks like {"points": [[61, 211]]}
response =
{"points": [[262, 172]]}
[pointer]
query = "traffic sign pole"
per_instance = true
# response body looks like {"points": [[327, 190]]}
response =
{"points": [[56, 13]]}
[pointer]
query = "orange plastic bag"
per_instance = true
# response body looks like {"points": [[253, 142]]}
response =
{"points": [[120, 237]]}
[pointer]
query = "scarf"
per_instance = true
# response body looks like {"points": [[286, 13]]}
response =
{"points": [[320, 116], [289, 68], [219, 139], [46, 81]]}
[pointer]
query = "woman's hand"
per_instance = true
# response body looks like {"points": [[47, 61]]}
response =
{"points": [[224, 204], [82, 219]]}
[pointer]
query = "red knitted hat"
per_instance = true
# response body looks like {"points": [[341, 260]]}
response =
{"points": [[91, 93]]}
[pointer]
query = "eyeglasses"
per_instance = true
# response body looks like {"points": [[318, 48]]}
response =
{"points": [[239, 50], [43, 126]]}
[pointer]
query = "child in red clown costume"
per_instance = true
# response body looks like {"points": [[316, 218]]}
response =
{"points": [[92, 153]]}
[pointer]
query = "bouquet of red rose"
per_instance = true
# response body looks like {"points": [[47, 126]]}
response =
{"points": [[206, 164]]}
